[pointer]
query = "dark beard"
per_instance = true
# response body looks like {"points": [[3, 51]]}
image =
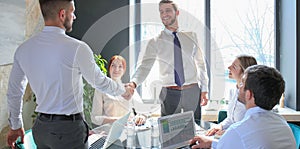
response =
{"points": [[172, 22], [67, 25]]}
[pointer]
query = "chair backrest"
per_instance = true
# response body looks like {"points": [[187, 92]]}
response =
{"points": [[296, 131], [28, 141], [222, 115]]}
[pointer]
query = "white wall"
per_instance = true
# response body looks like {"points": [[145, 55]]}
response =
{"points": [[12, 33]]}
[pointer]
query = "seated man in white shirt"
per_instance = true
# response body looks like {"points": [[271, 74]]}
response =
{"points": [[260, 90]]}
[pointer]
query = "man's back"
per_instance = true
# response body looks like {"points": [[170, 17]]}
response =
{"points": [[47, 60], [259, 129]]}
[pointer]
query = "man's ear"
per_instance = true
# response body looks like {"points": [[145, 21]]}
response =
{"points": [[248, 95], [177, 12], [62, 14]]}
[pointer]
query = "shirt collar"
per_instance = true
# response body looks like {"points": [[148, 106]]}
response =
{"points": [[54, 29], [254, 110], [170, 32]]}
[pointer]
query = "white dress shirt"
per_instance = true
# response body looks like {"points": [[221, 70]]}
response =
{"points": [[236, 110], [161, 49], [260, 129], [54, 63], [108, 106]]}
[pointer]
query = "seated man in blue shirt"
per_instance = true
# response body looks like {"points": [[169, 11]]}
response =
{"points": [[260, 90]]}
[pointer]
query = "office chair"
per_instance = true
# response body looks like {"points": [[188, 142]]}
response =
{"points": [[222, 115], [296, 131]]}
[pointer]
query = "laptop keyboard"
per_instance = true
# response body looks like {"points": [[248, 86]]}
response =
{"points": [[99, 143]]}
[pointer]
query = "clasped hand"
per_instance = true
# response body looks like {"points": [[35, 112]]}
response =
{"points": [[129, 92]]}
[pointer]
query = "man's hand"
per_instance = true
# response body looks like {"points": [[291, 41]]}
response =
{"points": [[13, 135], [200, 142], [131, 84], [203, 99], [129, 92]]}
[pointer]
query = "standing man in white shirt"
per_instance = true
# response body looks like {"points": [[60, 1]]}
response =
{"points": [[54, 64], [260, 90], [182, 67]]}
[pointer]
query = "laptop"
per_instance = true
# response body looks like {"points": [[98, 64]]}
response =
{"points": [[176, 130], [97, 141]]}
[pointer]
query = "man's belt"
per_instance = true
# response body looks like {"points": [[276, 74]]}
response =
{"points": [[71, 117], [182, 87]]}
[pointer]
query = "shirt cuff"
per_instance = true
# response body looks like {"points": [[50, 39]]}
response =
{"points": [[15, 124], [135, 82]]}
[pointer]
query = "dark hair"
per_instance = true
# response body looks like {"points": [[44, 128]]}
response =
{"points": [[50, 8], [246, 61], [266, 83], [169, 2]]}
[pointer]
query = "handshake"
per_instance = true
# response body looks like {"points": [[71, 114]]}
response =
{"points": [[129, 87]]}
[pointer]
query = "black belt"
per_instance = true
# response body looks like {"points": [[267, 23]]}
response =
{"points": [[182, 87], [61, 117]]}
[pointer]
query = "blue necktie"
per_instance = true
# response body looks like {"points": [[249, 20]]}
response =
{"points": [[178, 65]]}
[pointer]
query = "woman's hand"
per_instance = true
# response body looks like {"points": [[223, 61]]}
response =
{"points": [[214, 130], [140, 119]]}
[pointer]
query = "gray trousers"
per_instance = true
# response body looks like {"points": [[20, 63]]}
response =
{"points": [[60, 134], [172, 101]]}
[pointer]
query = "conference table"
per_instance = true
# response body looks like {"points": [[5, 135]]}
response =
{"points": [[146, 136]]}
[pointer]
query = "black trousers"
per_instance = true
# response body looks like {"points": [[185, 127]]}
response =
{"points": [[51, 133], [173, 101]]}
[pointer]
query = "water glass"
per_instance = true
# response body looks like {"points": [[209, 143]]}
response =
{"points": [[131, 135], [155, 134]]}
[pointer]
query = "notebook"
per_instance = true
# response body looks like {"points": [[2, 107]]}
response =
{"points": [[114, 133], [176, 130]]}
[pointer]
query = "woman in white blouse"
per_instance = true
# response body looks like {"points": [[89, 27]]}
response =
{"points": [[107, 108], [236, 110]]}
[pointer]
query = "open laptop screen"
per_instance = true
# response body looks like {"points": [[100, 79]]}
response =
{"points": [[176, 130], [117, 127]]}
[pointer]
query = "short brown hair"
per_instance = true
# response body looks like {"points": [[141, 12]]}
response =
{"points": [[50, 8], [266, 83], [169, 2]]}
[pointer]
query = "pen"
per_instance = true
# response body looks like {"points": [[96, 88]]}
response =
{"points": [[133, 110]]}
